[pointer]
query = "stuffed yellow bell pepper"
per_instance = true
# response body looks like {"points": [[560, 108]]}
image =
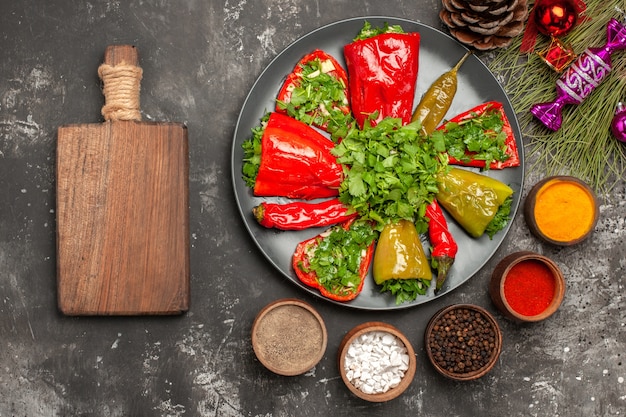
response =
{"points": [[477, 202]]}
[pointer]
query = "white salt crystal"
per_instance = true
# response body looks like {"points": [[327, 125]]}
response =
{"points": [[375, 362]]}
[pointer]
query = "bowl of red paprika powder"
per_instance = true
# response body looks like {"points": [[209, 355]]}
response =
{"points": [[527, 287]]}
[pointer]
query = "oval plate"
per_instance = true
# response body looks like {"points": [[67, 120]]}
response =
{"points": [[438, 53]]}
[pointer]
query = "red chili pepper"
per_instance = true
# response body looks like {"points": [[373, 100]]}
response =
{"points": [[301, 263], [296, 161], [444, 246], [382, 74], [511, 145], [302, 215], [294, 79]]}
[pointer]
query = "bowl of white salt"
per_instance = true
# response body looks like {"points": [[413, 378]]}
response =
{"points": [[376, 361]]}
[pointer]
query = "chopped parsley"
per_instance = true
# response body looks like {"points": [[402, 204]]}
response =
{"points": [[501, 219], [252, 153], [477, 138], [319, 98], [337, 257], [369, 32], [405, 290]]}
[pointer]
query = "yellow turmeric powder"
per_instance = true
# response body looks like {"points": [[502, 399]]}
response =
{"points": [[564, 210]]}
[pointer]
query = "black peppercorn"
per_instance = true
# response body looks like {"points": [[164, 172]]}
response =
{"points": [[462, 341]]}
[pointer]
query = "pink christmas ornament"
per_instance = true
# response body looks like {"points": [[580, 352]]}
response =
{"points": [[618, 125], [582, 77]]}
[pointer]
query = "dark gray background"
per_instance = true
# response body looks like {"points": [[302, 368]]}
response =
{"points": [[200, 59]]}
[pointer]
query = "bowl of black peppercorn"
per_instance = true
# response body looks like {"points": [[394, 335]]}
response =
{"points": [[463, 341]]}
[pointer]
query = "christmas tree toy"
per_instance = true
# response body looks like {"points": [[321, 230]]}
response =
{"points": [[582, 77]]}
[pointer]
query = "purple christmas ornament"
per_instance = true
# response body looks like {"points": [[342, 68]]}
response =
{"points": [[582, 77], [618, 125]]}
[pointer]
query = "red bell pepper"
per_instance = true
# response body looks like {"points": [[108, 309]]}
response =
{"points": [[444, 247], [336, 262], [382, 74], [300, 215], [296, 161], [513, 159], [318, 85]]}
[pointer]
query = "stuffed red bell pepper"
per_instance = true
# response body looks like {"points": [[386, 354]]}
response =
{"points": [[316, 93], [382, 72], [337, 261], [299, 215], [288, 158], [481, 137]]}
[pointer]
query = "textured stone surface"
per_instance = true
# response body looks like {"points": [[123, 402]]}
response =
{"points": [[202, 58]]}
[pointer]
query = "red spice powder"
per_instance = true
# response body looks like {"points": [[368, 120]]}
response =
{"points": [[529, 287]]}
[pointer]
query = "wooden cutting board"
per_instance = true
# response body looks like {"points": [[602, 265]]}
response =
{"points": [[122, 205]]}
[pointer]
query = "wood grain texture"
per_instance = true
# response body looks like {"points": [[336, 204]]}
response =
{"points": [[121, 54], [122, 218]]}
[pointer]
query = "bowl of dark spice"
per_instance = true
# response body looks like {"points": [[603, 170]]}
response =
{"points": [[527, 286], [561, 210], [463, 341], [376, 361], [289, 337]]}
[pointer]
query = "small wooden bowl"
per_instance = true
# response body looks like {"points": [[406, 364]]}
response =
{"points": [[439, 331], [576, 212], [289, 337], [354, 335], [502, 271]]}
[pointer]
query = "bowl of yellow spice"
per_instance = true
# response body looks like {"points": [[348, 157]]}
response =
{"points": [[561, 210]]}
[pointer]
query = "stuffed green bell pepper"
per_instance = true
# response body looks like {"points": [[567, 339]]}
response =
{"points": [[400, 263], [480, 204]]}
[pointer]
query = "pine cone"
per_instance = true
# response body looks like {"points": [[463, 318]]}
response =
{"points": [[484, 24]]}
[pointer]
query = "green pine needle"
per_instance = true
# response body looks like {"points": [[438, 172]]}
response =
{"points": [[584, 145]]}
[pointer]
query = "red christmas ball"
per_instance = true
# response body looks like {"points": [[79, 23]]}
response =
{"points": [[555, 17]]}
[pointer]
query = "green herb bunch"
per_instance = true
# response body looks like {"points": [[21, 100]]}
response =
{"points": [[390, 172]]}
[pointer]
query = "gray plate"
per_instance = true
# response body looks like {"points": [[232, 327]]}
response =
{"points": [[438, 53]]}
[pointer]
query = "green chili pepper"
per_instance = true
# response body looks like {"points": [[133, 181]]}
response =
{"points": [[472, 199], [435, 103]]}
